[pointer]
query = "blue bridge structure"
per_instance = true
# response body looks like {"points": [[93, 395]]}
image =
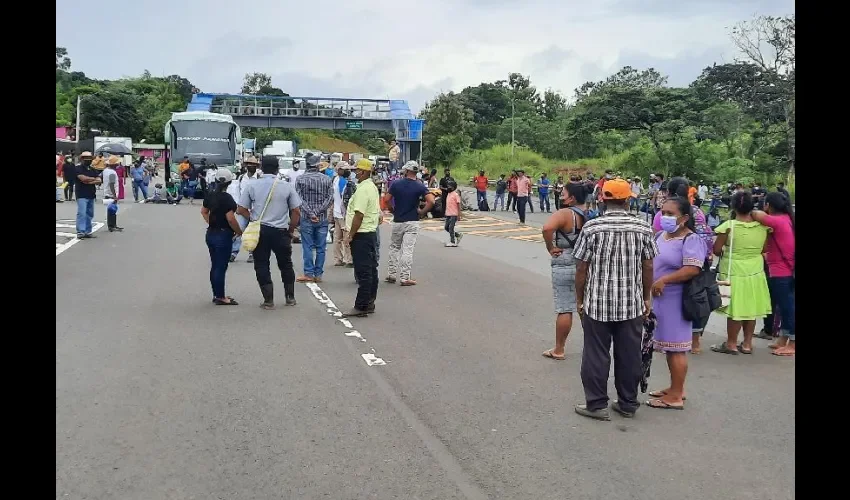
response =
{"points": [[335, 113]]}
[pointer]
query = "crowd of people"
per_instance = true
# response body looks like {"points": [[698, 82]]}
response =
{"points": [[632, 280], [625, 275]]}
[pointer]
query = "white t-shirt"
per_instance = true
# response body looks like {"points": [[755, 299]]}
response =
{"points": [[109, 173], [702, 191], [210, 175], [339, 210]]}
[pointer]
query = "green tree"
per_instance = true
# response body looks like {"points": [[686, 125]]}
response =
{"points": [[63, 62], [448, 126], [553, 104]]}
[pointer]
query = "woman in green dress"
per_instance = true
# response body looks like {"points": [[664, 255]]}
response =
{"points": [[740, 244]]}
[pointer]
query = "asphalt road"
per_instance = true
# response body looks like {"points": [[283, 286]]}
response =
{"points": [[160, 394]]}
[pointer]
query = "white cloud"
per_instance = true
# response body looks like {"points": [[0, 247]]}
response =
{"points": [[401, 50]]}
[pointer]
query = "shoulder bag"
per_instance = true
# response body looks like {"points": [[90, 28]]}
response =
{"points": [[701, 295], [251, 234]]}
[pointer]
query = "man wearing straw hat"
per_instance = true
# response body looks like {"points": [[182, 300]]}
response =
{"points": [[235, 189], [110, 193], [88, 178]]}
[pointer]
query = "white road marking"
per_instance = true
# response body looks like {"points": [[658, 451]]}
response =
{"points": [[64, 246], [333, 310], [68, 226]]}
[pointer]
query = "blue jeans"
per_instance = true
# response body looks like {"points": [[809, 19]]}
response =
{"points": [[237, 243], [499, 197], [85, 214], [544, 200], [482, 196], [218, 243], [782, 298], [137, 185], [314, 237]]}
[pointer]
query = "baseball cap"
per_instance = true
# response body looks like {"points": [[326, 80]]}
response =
{"points": [[616, 189], [363, 164], [312, 160], [411, 166], [223, 175], [85, 154]]}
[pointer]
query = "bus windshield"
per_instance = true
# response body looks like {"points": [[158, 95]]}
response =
{"points": [[200, 139]]}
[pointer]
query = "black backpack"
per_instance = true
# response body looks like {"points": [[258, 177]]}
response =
{"points": [[484, 206], [701, 295]]}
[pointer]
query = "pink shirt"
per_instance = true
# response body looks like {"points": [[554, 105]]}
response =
{"points": [[453, 204], [522, 185], [780, 246]]}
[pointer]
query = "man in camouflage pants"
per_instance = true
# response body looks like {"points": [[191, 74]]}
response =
{"points": [[403, 198]]}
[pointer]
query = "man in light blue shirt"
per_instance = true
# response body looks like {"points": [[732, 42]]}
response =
{"points": [[139, 175]]}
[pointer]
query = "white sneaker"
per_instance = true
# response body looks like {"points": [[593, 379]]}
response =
{"points": [[451, 244]]}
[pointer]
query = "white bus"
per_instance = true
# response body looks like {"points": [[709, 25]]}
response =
{"points": [[203, 135]]}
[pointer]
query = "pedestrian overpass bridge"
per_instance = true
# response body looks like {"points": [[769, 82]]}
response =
{"points": [[334, 113]]}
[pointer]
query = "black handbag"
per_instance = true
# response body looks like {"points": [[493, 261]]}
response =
{"points": [[701, 295]]}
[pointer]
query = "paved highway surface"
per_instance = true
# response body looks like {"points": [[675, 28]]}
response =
{"points": [[160, 394]]}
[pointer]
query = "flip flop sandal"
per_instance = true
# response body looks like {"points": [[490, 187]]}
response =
{"points": [[548, 354], [661, 405], [784, 355], [723, 349], [658, 394], [408, 283], [744, 351], [389, 280], [220, 302]]}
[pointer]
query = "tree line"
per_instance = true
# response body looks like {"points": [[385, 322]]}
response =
{"points": [[735, 121]]}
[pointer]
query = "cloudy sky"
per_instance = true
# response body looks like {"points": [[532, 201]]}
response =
{"points": [[396, 49]]}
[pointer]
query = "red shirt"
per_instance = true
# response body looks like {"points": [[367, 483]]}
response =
{"points": [[480, 183], [512, 185]]}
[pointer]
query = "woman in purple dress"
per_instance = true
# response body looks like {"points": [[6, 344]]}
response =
{"points": [[681, 254]]}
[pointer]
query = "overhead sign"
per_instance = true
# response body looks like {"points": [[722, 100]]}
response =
{"points": [[354, 124]]}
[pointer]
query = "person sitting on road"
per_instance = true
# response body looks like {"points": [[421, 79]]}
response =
{"points": [[172, 194]]}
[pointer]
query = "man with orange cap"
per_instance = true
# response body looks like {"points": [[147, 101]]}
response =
{"points": [[613, 283]]}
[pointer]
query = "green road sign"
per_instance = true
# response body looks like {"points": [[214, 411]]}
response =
{"points": [[354, 124]]}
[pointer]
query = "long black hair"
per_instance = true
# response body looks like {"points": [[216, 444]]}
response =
{"points": [[742, 202], [779, 203], [678, 186], [684, 206]]}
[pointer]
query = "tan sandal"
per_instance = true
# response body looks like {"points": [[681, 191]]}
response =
{"points": [[549, 354]]}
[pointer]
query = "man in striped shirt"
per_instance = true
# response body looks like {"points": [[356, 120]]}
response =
{"points": [[613, 282], [316, 192]]}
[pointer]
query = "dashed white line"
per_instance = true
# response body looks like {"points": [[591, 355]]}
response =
{"points": [[370, 358]]}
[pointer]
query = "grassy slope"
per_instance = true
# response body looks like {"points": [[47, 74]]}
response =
{"points": [[498, 160], [318, 140]]}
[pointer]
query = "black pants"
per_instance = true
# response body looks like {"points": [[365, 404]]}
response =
{"points": [[511, 201], [69, 189], [521, 202], [596, 361], [111, 220], [557, 201], [365, 257], [451, 220], [278, 241]]}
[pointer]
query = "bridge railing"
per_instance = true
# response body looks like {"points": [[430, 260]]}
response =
{"points": [[368, 109]]}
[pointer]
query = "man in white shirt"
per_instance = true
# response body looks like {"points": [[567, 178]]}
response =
{"points": [[235, 190], [341, 185], [110, 192], [702, 191]]}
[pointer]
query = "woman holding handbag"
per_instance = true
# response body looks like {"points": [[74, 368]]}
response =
{"points": [[740, 243], [681, 255], [781, 248]]}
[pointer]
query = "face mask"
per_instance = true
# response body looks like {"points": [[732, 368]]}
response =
{"points": [[669, 224]]}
